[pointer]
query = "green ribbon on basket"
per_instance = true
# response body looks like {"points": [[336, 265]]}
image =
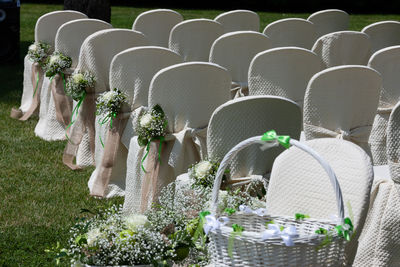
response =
{"points": [[271, 135], [108, 118], [161, 139], [75, 111], [300, 216], [37, 84], [237, 231], [345, 230], [202, 220]]}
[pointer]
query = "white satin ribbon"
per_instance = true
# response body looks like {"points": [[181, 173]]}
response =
{"points": [[287, 234], [259, 212], [213, 223]]}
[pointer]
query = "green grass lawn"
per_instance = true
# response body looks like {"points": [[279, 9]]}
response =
{"points": [[40, 197]]}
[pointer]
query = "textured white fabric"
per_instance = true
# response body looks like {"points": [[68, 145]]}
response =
{"points": [[299, 184], [48, 127], [330, 20], [343, 48], [283, 72], [250, 116], [131, 72], [45, 31], [188, 94], [192, 39], [234, 51], [156, 25], [95, 56], [342, 102], [387, 62], [380, 238], [239, 20], [383, 34], [292, 32]]}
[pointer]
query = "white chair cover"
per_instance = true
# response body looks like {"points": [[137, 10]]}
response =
{"points": [[299, 184], [95, 57], [131, 72], [239, 20], [188, 94], [387, 62], [156, 25], [234, 51], [292, 32], [45, 31], [283, 72], [341, 102], [192, 39], [383, 34], [330, 20], [380, 238], [343, 48], [48, 127]]}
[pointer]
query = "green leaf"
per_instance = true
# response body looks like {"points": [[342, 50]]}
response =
{"points": [[142, 141]]}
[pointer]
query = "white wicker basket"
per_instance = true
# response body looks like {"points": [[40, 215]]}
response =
{"points": [[249, 249]]}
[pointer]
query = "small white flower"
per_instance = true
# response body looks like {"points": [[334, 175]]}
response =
{"points": [[54, 58], [136, 220], [78, 77], [203, 168], [33, 47], [146, 120], [92, 236], [109, 95]]}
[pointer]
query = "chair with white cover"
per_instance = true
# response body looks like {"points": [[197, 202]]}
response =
{"points": [[330, 20], [284, 72], [239, 20], [192, 39], [131, 72], [343, 48], [95, 57], [300, 176], [387, 62], [234, 51], [379, 243], [341, 102], [383, 34], [45, 32], [292, 32], [55, 106], [188, 93], [157, 24], [242, 118]]}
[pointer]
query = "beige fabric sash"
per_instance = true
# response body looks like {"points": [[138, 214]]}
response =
{"points": [[386, 110], [239, 89], [181, 141], [394, 168], [356, 135], [17, 114], [62, 102], [84, 122], [112, 143]]}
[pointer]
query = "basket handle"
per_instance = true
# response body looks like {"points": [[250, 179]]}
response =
{"points": [[268, 144]]}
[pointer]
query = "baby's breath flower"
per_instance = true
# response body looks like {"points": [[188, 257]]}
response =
{"points": [[77, 84], [57, 63], [38, 52], [151, 125], [110, 102]]}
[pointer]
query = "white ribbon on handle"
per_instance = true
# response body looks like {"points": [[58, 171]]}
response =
{"points": [[287, 234], [214, 223]]}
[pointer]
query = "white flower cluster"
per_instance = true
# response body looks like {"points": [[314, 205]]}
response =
{"points": [[152, 124], [110, 102], [38, 52], [77, 84], [57, 63], [203, 174], [112, 239]]}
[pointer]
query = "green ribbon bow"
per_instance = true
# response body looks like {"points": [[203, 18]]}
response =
{"points": [[202, 220], [300, 216], [345, 230], [271, 135], [237, 231], [75, 111], [161, 139], [37, 85], [230, 211]]}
